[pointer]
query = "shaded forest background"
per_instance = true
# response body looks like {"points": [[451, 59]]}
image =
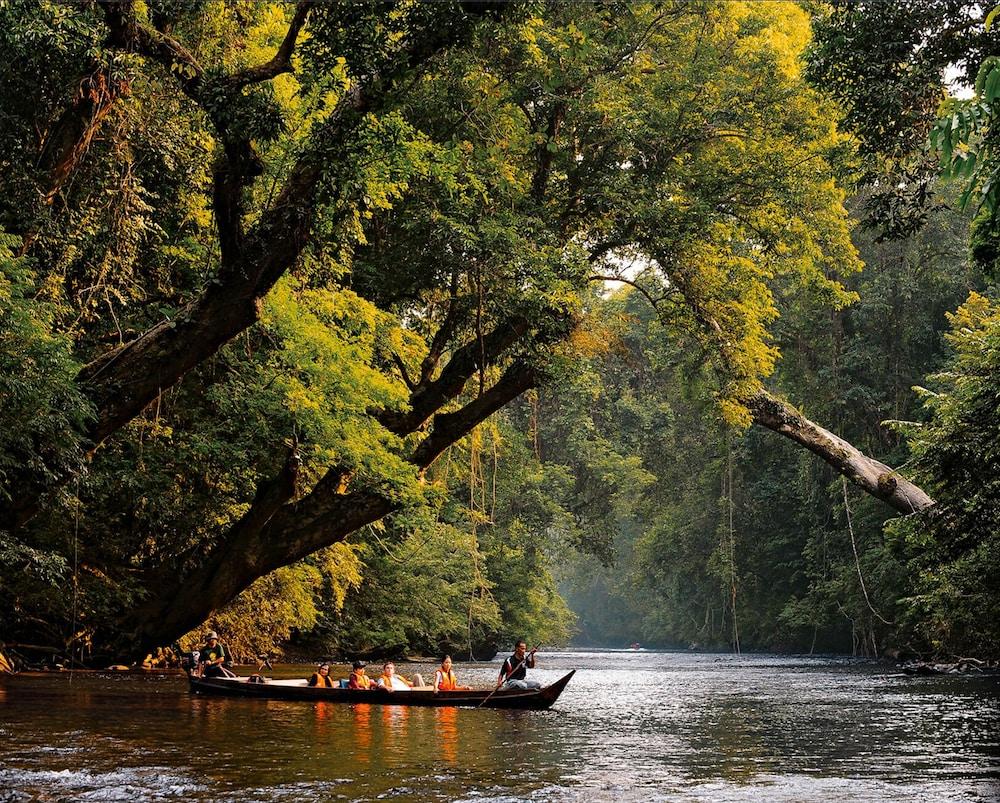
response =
{"points": [[381, 329]]}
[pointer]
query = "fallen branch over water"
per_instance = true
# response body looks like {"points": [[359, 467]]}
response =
{"points": [[959, 666]]}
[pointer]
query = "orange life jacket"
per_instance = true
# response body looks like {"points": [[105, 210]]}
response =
{"points": [[446, 681], [359, 681], [387, 680], [321, 680]]}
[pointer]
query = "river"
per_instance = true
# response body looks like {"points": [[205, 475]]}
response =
{"points": [[631, 726]]}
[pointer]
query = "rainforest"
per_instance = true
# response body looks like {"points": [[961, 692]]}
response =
{"points": [[401, 328]]}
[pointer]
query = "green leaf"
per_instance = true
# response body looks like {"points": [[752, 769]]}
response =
{"points": [[992, 88], [990, 17]]}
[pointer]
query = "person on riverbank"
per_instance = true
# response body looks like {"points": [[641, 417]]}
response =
{"points": [[444, 678], [359, 680], [513, 673], [321, 677], [393, 682], [213, 657]]}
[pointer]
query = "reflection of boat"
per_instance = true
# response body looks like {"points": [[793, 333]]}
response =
{"points": [[537, 699]]}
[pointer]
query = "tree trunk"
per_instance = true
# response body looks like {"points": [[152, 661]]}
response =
{"points": [[272, 535], [124, 381], [867, 473], [248, 553], [71, 135]]}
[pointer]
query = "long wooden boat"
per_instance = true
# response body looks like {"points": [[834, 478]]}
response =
{"points": [[534, 699]]}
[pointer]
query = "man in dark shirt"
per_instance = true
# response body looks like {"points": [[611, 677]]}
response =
{"points": [[515, 669], [213, 657]]}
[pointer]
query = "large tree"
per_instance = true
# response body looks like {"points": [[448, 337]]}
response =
{"points": [[416, 198]]}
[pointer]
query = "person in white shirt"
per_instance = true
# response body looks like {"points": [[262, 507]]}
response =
{"points": [[393, 682]]}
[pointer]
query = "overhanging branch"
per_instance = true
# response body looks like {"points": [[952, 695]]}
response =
{"points": [[281, 62], [869, 474]]}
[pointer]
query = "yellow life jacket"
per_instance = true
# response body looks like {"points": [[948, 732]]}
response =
{"points": [[359, 681]]}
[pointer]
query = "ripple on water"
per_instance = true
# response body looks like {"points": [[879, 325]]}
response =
{"points": [[305, 790], [135, 783]]}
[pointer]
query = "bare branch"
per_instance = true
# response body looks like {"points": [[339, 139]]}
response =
{"points": [[443, 334], [653, 302], [410, 384]]}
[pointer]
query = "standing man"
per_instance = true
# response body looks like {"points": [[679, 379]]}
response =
{"points": [[515, 669], [213, 657]]}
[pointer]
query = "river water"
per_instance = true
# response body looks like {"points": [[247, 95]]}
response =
{"points": [[631, 726]]}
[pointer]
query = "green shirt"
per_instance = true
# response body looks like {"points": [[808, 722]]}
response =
{"points": [[210, 654]]}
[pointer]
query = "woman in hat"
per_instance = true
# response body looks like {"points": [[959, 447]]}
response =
{"points": [[321, 677]]}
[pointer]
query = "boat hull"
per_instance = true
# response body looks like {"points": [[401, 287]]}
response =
{"points": [[532, 699]]}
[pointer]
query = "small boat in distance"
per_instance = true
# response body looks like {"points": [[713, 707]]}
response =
{"points": [[533, 699]]}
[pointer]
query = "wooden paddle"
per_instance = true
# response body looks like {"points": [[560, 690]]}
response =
{"points": [[513, 669]]}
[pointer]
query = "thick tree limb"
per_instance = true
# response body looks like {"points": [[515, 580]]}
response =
{"points": [[238, 162], [434, 394], [281, 62], [451, 427], [324, 517], [250, 553], [545, 153], [444, 333], [768, 411], [266, 539], [124, 381], [874, 477]]}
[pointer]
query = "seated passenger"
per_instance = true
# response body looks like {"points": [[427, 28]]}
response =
{"points": [[321, 677], [393, 682], [359, 680], [444, 678]]}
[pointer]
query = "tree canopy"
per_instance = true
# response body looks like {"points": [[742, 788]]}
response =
{"points": [[269, 271]]}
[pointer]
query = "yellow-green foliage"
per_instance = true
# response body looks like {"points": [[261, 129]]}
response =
{"points": [[751, 197], [260, 619], [324, 371]]}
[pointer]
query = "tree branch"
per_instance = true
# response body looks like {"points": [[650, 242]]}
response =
{"points": [[867, 473], [443, 334], [465, 361], [544, 153], [403, 372], [451, 427], [71, 135], [653, 302], [281, 62], [261, 543]]}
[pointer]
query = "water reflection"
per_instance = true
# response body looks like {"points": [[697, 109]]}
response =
{"points": [[631, 726], [446, 735]]}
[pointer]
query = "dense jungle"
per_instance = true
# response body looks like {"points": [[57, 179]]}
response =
{"points": [[399, 328]]}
